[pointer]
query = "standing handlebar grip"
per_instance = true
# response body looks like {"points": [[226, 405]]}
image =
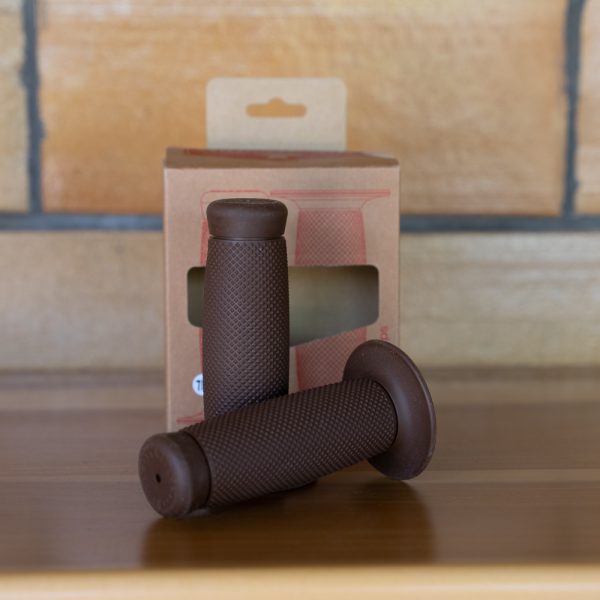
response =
{"points": [[246, 305], [381, 411]]}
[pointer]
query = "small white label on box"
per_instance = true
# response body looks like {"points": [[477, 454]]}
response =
{"points": [[198, 385]]}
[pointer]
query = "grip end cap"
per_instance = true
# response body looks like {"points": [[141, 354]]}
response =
{"points": [[174, 474], [246, 219]]}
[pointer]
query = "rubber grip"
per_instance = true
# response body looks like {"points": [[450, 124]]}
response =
{"points": [[381, 411], [293, 440], [246, 312]]}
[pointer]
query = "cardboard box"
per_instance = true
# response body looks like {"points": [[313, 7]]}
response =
{"points": [[343, 246]]}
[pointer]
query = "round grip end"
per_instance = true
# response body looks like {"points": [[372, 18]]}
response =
{"points": [[246, 219], [174, 474], [391, 368]]}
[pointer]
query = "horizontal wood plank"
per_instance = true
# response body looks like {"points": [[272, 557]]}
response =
{"points": [[467, 93], [511, 299], [81, 300], [456, 582]]}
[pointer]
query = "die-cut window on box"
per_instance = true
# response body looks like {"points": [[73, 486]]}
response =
{"points": [[324, 301]]}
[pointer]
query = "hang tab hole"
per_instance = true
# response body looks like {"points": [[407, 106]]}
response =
{"points": [[324, 301], [276, 108]]}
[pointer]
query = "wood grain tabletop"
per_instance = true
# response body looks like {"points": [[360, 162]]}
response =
{"points": [[509, 506]]}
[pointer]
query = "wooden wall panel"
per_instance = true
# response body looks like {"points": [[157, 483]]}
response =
{"points": [[501, 299], [83, 300], [13, 124], [588, 125], [468, 93]]}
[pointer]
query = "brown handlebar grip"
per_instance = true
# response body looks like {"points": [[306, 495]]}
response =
{"points": [[381, 411], [246, 305]]}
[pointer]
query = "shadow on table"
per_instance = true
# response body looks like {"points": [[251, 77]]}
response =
{"points": [[377, 521]]}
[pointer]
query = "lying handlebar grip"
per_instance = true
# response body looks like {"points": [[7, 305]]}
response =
{"points": [[381, 411], [246, 304]]}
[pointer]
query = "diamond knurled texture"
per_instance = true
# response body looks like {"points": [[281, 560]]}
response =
{"points": [[287, 442], [246, 324]]}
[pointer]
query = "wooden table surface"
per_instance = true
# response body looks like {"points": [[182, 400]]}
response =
{"points": [[510, 505]]}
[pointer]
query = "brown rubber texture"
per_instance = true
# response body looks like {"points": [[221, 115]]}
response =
{"points": [[290, 441], [246, 319]]}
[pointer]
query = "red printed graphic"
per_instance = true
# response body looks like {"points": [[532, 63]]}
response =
{"points": [[204, 242], [329, 235], [321, 362], [191, 420], [326, 235]]}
